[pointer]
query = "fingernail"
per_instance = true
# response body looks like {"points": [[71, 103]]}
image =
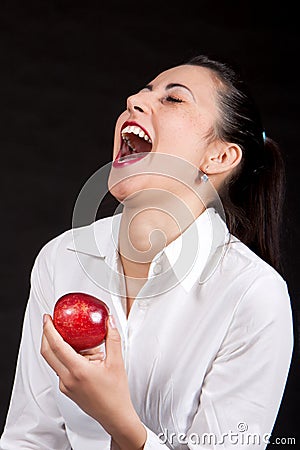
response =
{"points": [[45, 318], [112, 321]]}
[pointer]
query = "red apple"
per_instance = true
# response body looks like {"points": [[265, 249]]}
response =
{"points": [[81, 319]]}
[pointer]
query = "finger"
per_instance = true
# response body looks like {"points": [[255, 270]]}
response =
{"points": [[97, 356], [113, 343], [90, 351], [51, 358], [97, 362], [56, 349]]}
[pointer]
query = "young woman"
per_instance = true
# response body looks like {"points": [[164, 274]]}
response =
{"points": [[200, 335]]}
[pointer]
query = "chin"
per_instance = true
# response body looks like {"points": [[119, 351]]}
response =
{"points": [[126, 189]]}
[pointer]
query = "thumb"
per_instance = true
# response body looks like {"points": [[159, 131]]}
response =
{"points": [[113, 344]]}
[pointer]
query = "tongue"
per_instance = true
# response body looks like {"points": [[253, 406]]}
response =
{"points": [[141, 146], [126, 153], [125, 150]]}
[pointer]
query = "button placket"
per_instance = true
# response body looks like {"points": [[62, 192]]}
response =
{"points": [[142, 304], [157, 269], [134, 321]]}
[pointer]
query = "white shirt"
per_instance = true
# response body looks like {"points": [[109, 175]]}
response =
{"points": [[207, 345]]}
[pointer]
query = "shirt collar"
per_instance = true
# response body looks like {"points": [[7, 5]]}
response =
{"points": [[98, 239], [193, 256]]}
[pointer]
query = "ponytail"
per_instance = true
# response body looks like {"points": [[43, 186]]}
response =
{"points": [[253, 204]]}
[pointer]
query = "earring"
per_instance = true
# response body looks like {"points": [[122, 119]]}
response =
{"points": [[204, 178]]}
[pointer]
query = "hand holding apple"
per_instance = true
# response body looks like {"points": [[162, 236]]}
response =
{"points": [[81, 319], [100, 388]]}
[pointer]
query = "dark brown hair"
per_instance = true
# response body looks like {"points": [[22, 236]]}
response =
{"points": [[253, 196]]}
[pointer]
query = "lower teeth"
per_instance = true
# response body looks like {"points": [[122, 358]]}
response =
{"points": [[128, 157]]}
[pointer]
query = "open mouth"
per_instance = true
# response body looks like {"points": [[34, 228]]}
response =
{"points": [[135, 144]]}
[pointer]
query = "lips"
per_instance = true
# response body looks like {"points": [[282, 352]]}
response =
{"points": [[135, 144]]}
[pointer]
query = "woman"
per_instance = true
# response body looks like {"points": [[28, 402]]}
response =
{"points": [[200, 338]]}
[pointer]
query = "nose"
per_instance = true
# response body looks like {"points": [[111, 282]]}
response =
{"points": [[137, 102]]}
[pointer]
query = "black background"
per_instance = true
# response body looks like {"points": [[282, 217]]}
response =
{"points": [[66, 70]]}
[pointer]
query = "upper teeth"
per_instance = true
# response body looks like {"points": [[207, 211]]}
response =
{"points": [[137, 131]]}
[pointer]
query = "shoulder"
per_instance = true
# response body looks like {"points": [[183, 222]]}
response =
{"points": [[264, 292], [246, 262]]}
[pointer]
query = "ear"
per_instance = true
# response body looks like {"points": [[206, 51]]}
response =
{"points": [[222, 158]]}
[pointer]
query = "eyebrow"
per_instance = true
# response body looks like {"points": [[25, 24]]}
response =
{"points": [[170, 86]]}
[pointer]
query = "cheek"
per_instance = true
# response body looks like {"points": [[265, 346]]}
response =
{"points": [[181, 136]]}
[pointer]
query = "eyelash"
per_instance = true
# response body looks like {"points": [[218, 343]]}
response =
{"points": [[172, 99]]}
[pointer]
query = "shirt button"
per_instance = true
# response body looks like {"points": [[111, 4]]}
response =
{"points": [[157, 269], [143, 303]]}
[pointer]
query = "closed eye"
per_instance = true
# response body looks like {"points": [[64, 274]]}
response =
{"points": [[170, 98]]}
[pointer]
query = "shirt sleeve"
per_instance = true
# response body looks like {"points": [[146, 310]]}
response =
{"points": [[242, 391], [33, 420]]}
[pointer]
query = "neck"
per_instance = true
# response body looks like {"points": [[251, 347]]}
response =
{"points": [[146, 231]]}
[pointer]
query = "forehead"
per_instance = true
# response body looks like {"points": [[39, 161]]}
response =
{"points": [[198, 79]]}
